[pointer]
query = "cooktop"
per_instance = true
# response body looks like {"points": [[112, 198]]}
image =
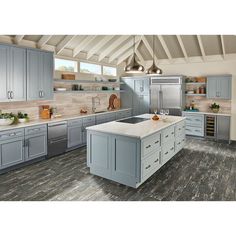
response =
{"points": [[133, 120]]}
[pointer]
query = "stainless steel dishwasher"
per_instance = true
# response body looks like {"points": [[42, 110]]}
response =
{"points": [[57, 138]]}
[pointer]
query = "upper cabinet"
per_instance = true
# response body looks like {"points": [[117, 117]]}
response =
{"points": [[219, 87], [12, 73], [25, 74], [39, 75], [141, 86]]}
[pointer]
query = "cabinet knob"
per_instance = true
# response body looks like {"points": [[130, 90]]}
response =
{"points": [[11, 94], [166, 136], [8, 94], [172, 148]]}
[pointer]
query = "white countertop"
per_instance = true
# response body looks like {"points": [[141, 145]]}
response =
{"points": [[208, 113], [47, 121], [139, 130]]}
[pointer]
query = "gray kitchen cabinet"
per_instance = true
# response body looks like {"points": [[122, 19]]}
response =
{"points": [[219, 87], [39, 75], [35, 146], [137, 95], [223, 128], [12, 73], [88, 121], [4, 73], [75, 136], [11, 152]]}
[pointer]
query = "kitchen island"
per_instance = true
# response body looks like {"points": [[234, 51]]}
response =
{"points": [[128, 152]]}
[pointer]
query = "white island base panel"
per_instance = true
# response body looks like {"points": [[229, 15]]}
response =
{"points": [[132, 160]]}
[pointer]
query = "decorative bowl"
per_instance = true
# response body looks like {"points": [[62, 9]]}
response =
{"points": [[6, 121], [22, 120], [215, 110], [111, 80]]}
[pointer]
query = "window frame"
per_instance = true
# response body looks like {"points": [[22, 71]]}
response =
{"points": [[76, 66], [109, 67], [91, 63]]}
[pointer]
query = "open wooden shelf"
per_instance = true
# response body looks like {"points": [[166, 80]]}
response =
{"points": [[90, 91], [195, 94], [85, 81]]}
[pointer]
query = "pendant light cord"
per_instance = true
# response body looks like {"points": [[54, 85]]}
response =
{"points": [[134, 48], [153, 47]]}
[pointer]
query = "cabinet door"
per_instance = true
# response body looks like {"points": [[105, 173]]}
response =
{"points": [[4, 76], [224, 87], [33, 74], [74, 136], [141, 86], [136, 104], [126, 97], [18, 73], [35, 146], [223, 128], [12, 152], [211, 87], [47, 75], [144, 104]]}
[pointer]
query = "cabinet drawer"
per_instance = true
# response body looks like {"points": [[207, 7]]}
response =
{"points": [[195, 120], [35, 129], [151, 164], [150, 144], [168, 151], [168, 134], [194, 131], [75, 122], [89, 120], [180, 129], [11, 134]]}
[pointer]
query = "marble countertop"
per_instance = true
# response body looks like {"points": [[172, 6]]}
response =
{"points": [[47, 121], [208, 113], [139, 130]]}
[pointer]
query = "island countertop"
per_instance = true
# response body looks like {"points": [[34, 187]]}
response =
{"points": [[139, 130]]}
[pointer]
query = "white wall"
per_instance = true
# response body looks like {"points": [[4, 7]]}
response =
{"points": [[208, 68]]}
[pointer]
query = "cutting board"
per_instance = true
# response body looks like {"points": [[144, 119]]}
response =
{"points": [[111, 101], [116, 103]]}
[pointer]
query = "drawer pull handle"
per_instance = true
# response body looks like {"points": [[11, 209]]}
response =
{"points": [[167, 136], [197, 120], [179, 128], [178, 143], [172, 132], [157, 141], [197, 130], [166, 153], [188, 119], [12, 134], [183, 140], [188, 129], [148, 167], [172, 149], [156, 160], [148, 146]]}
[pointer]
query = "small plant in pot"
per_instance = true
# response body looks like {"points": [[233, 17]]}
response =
{"points": [[22, 117], [215, 107], [7, 118]]}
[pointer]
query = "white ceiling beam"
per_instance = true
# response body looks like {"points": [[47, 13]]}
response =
{"points": [[43, 40], [166, 49], [124, 48], [222, 45], [201, 47], [114, 45], [18, 38], [99, 45], [139, 55], [64, 43], [128, 53], [149, 48], [182, 47], [83, 45]]}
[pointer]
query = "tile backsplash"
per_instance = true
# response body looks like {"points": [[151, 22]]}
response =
{"points": [[202, 103], [66, 104]]}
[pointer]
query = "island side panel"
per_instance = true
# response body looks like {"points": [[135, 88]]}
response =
{"points": [[126, 158], [99, 154]]}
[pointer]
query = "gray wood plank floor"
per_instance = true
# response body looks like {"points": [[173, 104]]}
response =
{"points": [[203, 170]]}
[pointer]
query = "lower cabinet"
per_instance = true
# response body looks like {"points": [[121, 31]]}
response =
{"points": [[11, 152], [35, 146], [223, 127], [75, 136]]}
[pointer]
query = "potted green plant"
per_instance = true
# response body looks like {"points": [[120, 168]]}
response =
{"points": [[22, 117], [7, 118], [215, 107]]}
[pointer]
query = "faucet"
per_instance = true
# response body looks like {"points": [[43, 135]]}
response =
{"points": [[95, 101]]}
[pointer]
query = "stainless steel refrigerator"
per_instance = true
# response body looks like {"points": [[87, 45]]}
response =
{"points": [[168, 92]]}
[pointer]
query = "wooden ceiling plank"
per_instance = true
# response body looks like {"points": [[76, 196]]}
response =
{"points": [[43, 40], [182, 47], [201, 47], [112, 46], [124, 48], [83, 44], [222, 45], [99, 45], [64, 43]]}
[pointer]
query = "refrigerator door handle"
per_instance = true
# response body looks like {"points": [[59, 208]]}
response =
{"points": [[161, 99]]}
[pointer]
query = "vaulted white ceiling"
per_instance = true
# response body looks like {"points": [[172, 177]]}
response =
{"points": [[115, 49]]}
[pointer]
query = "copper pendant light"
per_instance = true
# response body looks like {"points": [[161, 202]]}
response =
{"points": [[153, 69], [134, 67]]}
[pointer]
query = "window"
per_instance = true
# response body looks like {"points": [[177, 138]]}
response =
{"points": [[66, 65], [107, 70], [90, 68]]}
